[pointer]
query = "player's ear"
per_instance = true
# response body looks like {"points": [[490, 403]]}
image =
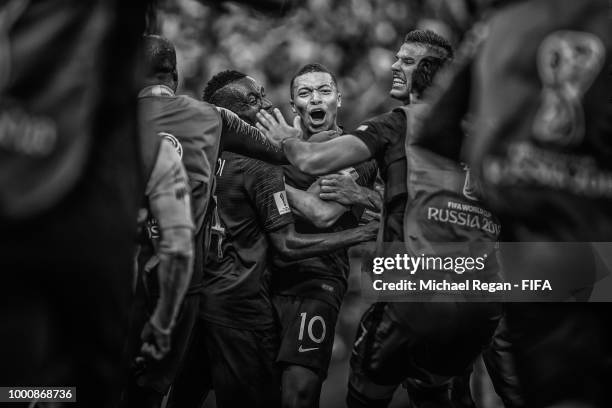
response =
{"points": [[425, 72], [339, 99], [292, 107]]}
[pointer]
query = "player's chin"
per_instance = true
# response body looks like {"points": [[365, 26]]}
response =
{"points": [[316, 128], [399, 93]]}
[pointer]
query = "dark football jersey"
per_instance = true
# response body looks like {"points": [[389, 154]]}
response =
{"points": [[384, 136], [250, 201], [322, 277], [194, 128]]}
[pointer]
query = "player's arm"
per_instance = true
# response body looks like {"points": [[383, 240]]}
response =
{"points": [[169, 202], [292, 245], [308, 205], [267, 188], [312, 158], [239, 137]]}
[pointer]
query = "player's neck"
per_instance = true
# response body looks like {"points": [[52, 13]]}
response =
{"points": [[308, 134]]}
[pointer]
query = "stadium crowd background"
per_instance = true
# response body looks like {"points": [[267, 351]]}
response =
{"points": [[357, 40]]}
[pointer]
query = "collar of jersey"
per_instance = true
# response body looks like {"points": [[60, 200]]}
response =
{"points": [[156, 90]]}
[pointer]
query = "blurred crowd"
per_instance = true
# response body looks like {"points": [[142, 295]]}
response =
{"points": [[356, 39]]}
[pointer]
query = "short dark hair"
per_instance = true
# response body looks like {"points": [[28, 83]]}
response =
{"points": [[431, 40], [160, 57], [218, 81], [308, 68]]}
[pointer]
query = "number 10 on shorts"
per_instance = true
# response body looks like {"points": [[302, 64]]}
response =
{"points": [[311, 328]]}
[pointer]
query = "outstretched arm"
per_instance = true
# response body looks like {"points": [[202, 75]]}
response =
{"points": [[292, 245], [239, 137], [312, 158]]}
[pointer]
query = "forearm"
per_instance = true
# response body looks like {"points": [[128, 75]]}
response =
{"points": [[308, 157], [326, 157], [309, 206], [297, 200], [174, 274], [239, 137], [300, 246]]}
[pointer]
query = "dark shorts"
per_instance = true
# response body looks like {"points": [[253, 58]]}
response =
{"points": [[237, 363], [387, 351], [307, 332]]}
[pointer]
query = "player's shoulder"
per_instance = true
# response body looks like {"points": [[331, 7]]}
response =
{"points": [[167, 164], [198, 107], [257, 168], [392, 120]]}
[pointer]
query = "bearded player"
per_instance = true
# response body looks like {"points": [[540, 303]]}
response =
{"points": [[396, 340]]}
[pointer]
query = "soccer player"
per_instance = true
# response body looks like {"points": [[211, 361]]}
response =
{"points": [[236, 345], [197, 129], [307, 294], [315, 97], [395, 339], [542, 98], [70, 187], [68, 144]]}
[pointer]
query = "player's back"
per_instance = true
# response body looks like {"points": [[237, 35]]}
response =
{"points": [[194, 128]]}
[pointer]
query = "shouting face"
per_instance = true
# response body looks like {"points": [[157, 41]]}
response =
{"points": [[408, 58], [316, 100]]}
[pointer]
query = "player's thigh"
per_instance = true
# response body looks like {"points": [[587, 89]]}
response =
{"points": [[307, 332], [243, 369]]}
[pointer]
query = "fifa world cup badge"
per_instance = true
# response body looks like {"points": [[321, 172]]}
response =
{"points": [[568, 63]]}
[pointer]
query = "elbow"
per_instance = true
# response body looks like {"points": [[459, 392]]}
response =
{"points": [[283, 247], [287, 253], [177, 243]]}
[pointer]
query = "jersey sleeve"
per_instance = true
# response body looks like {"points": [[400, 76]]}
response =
{"points": [[375, 133], [237, 136], [168, 191], [266, 187], [366, 173]]}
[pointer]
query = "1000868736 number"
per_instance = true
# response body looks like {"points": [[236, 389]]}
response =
{"points": [[42, 394]]}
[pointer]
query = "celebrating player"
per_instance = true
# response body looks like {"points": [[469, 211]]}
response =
{"points": [[307, 294], [236, 344], [198, 130], [382, 358]]}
